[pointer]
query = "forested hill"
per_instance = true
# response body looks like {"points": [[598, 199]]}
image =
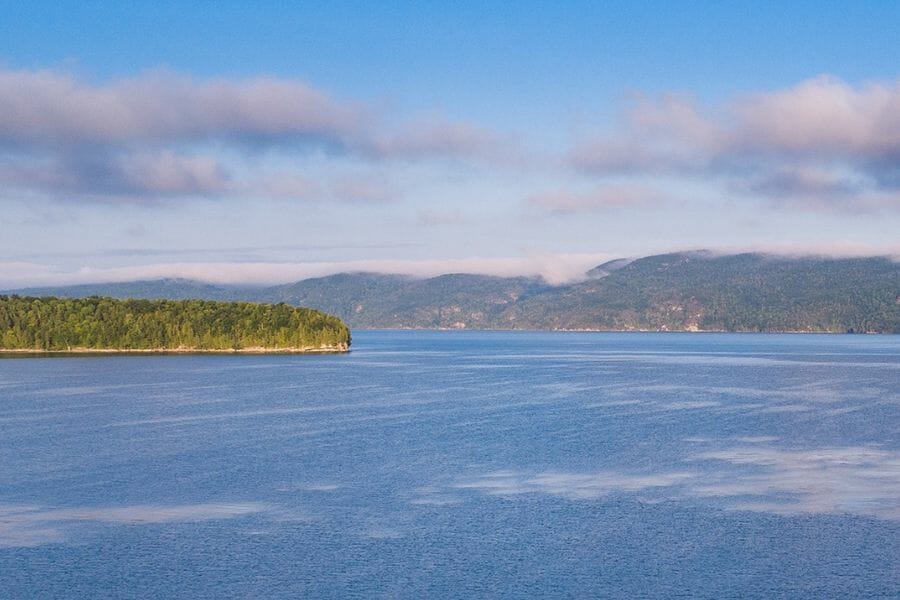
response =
{"points": [[675, 292], [746, 292], [98, 323]]}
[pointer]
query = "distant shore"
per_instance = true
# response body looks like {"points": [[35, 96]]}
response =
{"points": [[182, 350]]}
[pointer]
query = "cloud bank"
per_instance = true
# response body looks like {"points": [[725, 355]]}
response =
{"points": [[822, 144], [553, 268], [163, 134], [47, 108]]}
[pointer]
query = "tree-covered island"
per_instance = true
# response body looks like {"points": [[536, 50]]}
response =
{"points": [[99, 324]]}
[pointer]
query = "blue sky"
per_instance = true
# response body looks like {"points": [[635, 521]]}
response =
{"points": [[257, 143]]}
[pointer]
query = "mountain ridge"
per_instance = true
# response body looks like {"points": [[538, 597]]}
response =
{"points": [[679, 291]]}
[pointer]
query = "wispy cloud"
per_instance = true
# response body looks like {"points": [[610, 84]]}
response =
{"points": [[597, 199], [203, 251], [52, 108], [805, 182], [654, 136], [439, 136], [284, 185], [821, 143], [162, 135], [363, 188], [348, 187], [433, 218], [122, 175]]}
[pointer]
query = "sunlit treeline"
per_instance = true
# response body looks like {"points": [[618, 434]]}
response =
{"points": [[97, 322]]}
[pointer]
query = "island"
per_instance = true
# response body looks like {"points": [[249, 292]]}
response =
{"points": [[101, 324]]}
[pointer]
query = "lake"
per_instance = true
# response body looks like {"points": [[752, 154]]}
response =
{"points": [[458, 465]]}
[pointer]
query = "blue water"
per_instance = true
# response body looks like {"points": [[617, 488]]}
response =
{"points": [[458, 464]]}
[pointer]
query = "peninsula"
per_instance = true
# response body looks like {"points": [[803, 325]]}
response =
{"points": [[106, 325]]}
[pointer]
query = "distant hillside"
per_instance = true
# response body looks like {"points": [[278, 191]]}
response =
{"points": [[675, 292], [746, 292], [389, 301], [155, 289]]}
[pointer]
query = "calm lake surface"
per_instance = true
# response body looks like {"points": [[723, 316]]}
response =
{"points": [[458, 464]]}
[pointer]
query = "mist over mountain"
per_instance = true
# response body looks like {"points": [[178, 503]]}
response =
{"points": [[687, 291]]}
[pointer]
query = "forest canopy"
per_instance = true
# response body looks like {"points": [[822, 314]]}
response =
{"points": [[62, 324]]}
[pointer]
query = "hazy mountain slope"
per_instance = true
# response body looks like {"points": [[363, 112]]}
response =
{"points": [[747, 292], [680, 291], [155, 289], [370, 300], [607, 268], [353, 296]]}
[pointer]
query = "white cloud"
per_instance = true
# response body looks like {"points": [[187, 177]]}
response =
{"points": [[53, 108], [822, 143], [165, 134]]}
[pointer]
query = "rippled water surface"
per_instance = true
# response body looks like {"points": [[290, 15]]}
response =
{"points": [[452, 464]]}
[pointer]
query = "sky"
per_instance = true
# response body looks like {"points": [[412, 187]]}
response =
{"points": [[266, 142]]}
